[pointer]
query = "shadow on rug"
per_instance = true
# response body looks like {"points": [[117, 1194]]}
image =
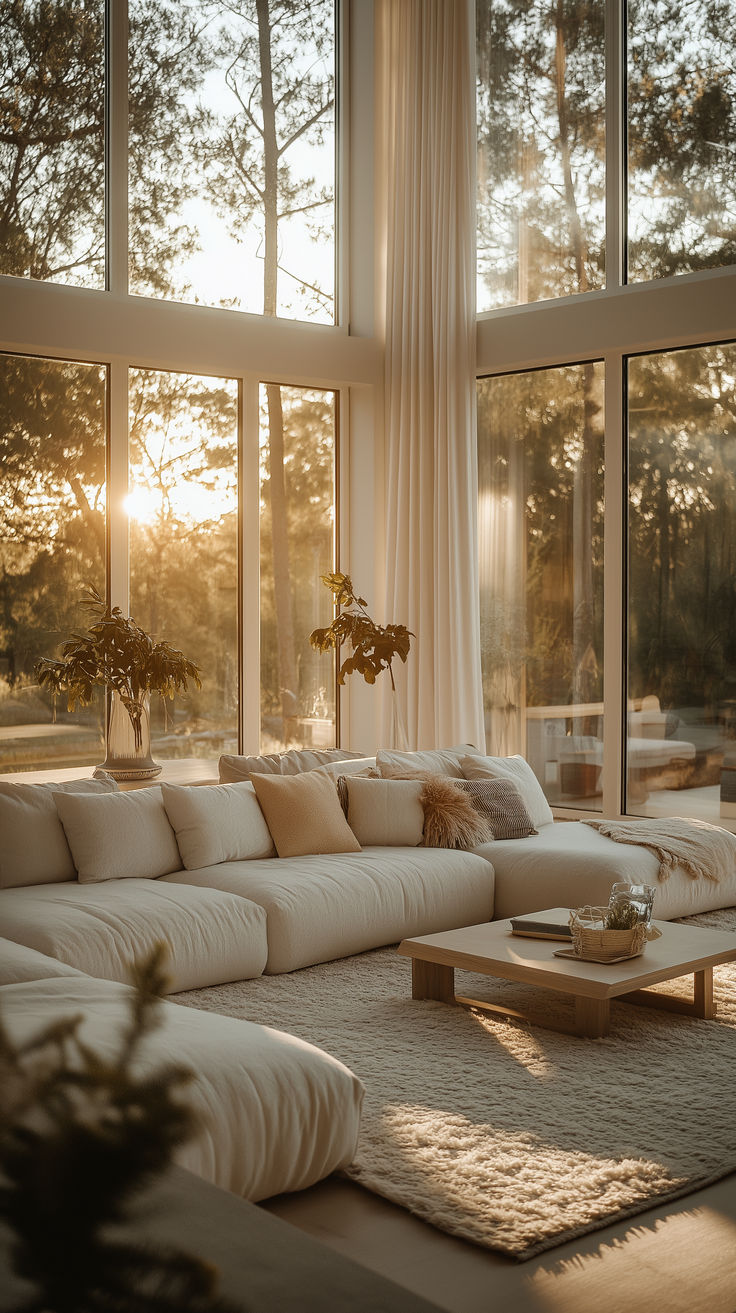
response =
{"points": [[512, 1136]]}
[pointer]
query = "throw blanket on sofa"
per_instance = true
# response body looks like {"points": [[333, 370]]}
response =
{"points": [[702, 850]]}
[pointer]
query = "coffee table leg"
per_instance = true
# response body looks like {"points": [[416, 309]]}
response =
{"points": [[592, 1017], [432, 980], [702, 1003]]}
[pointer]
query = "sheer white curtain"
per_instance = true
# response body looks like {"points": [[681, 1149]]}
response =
{"points": [[427, 111]]}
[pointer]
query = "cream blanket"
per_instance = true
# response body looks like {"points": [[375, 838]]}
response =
{"points": [[703, 851]]}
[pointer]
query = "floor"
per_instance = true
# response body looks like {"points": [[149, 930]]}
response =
{"points": [[680, 1258]]}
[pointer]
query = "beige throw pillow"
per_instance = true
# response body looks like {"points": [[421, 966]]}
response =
{"points": [[385, 813], [304, 815], [234, 768], [217, 823], [521, 774], [119, 835], [33, 846]]}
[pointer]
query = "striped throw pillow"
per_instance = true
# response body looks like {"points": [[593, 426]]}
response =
{"points": [[500, 802]]}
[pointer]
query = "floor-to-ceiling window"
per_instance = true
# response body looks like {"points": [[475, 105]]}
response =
{"points": [[607, 233], [169, 241]]}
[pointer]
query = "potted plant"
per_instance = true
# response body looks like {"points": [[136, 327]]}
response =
{"points": [[116, 654], [373, 647]]}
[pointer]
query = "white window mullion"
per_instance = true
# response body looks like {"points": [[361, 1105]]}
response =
{"points": [[117, 485], [250, 672], [614, 593]]}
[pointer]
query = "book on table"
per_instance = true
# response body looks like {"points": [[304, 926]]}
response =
{"points": [[543, 925]]}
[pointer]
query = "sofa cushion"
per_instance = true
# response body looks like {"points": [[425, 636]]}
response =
{"points": [[500, 802], [34, 849], [211, 936], [275, 1113], [387, 813], [222, 823], [570, 865], [395, 765], [18, 963], [520, 773], [293, 762], [304, 814], [323, 907], [119, 836]]}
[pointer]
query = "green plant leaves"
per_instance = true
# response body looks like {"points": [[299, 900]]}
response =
{"points": [[373, 647]]}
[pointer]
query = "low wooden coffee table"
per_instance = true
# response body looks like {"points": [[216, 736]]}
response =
{"points": [[492, 950]]}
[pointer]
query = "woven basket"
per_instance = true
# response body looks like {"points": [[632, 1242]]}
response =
{"points": [[590, 940]]}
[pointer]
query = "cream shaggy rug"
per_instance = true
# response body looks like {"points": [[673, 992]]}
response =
{"points": [[512, 1136]]}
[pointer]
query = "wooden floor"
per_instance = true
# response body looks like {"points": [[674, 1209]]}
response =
{"points": [[680, 1258]]}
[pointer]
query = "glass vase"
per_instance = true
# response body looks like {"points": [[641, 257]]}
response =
{"points": [[125, 759]]}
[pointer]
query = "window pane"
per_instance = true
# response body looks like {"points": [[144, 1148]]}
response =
{"points": [[540, 456], [52, 148], [681, 135], [298, 449], [541, 149], [232, 146], [682, 584], [183, 509], [52, 542]]}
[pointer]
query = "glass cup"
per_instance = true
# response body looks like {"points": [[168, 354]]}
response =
{"points": [[641, 896]]}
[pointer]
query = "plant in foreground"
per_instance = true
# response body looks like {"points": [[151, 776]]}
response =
{"points": [[80, 1137]]}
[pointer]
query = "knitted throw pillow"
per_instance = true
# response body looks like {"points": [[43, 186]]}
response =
{"points": [[450, 819], [501, 804]]}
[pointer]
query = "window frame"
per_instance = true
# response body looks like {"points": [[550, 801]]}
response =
{"points": [[622, 320]]}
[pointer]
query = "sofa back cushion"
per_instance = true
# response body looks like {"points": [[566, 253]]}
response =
{"points": [[295, 761], [222, 823], [520, 773], [33, 845], [119, 835], [304, 814], [394, 765], [385, 813]]}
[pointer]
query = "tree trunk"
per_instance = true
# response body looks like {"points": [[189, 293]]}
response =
{"points": [[277, 483]]}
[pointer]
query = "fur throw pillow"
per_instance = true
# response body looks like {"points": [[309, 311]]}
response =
{"points": [[450, 819]]}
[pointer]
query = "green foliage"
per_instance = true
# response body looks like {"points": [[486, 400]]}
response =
{"points": [[115, 652], [81, 1136], [373, 646]]}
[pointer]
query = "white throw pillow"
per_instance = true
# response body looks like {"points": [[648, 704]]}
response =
{"points": [[33, 846], [521, 774], [217, 823], [412, 765], [119, 836], [385, 813]]}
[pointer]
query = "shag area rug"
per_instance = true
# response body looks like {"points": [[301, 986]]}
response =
{"points": [[509, 1135]]}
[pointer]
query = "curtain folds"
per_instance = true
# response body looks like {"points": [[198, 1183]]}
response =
{"points": [[426, 100]]}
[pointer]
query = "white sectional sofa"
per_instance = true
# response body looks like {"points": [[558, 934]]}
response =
{"points": [[91, 878]]}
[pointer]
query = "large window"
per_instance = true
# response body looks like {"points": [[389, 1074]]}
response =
{"points": [[52, 545], [232, 149], [541, 150], [606, 148], [541, 573], [682, 582], [681, 136], [298, 452], [52, 143], [183, 509]]}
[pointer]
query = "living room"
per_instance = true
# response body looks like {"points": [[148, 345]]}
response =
{"points": [[509, 419]]}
